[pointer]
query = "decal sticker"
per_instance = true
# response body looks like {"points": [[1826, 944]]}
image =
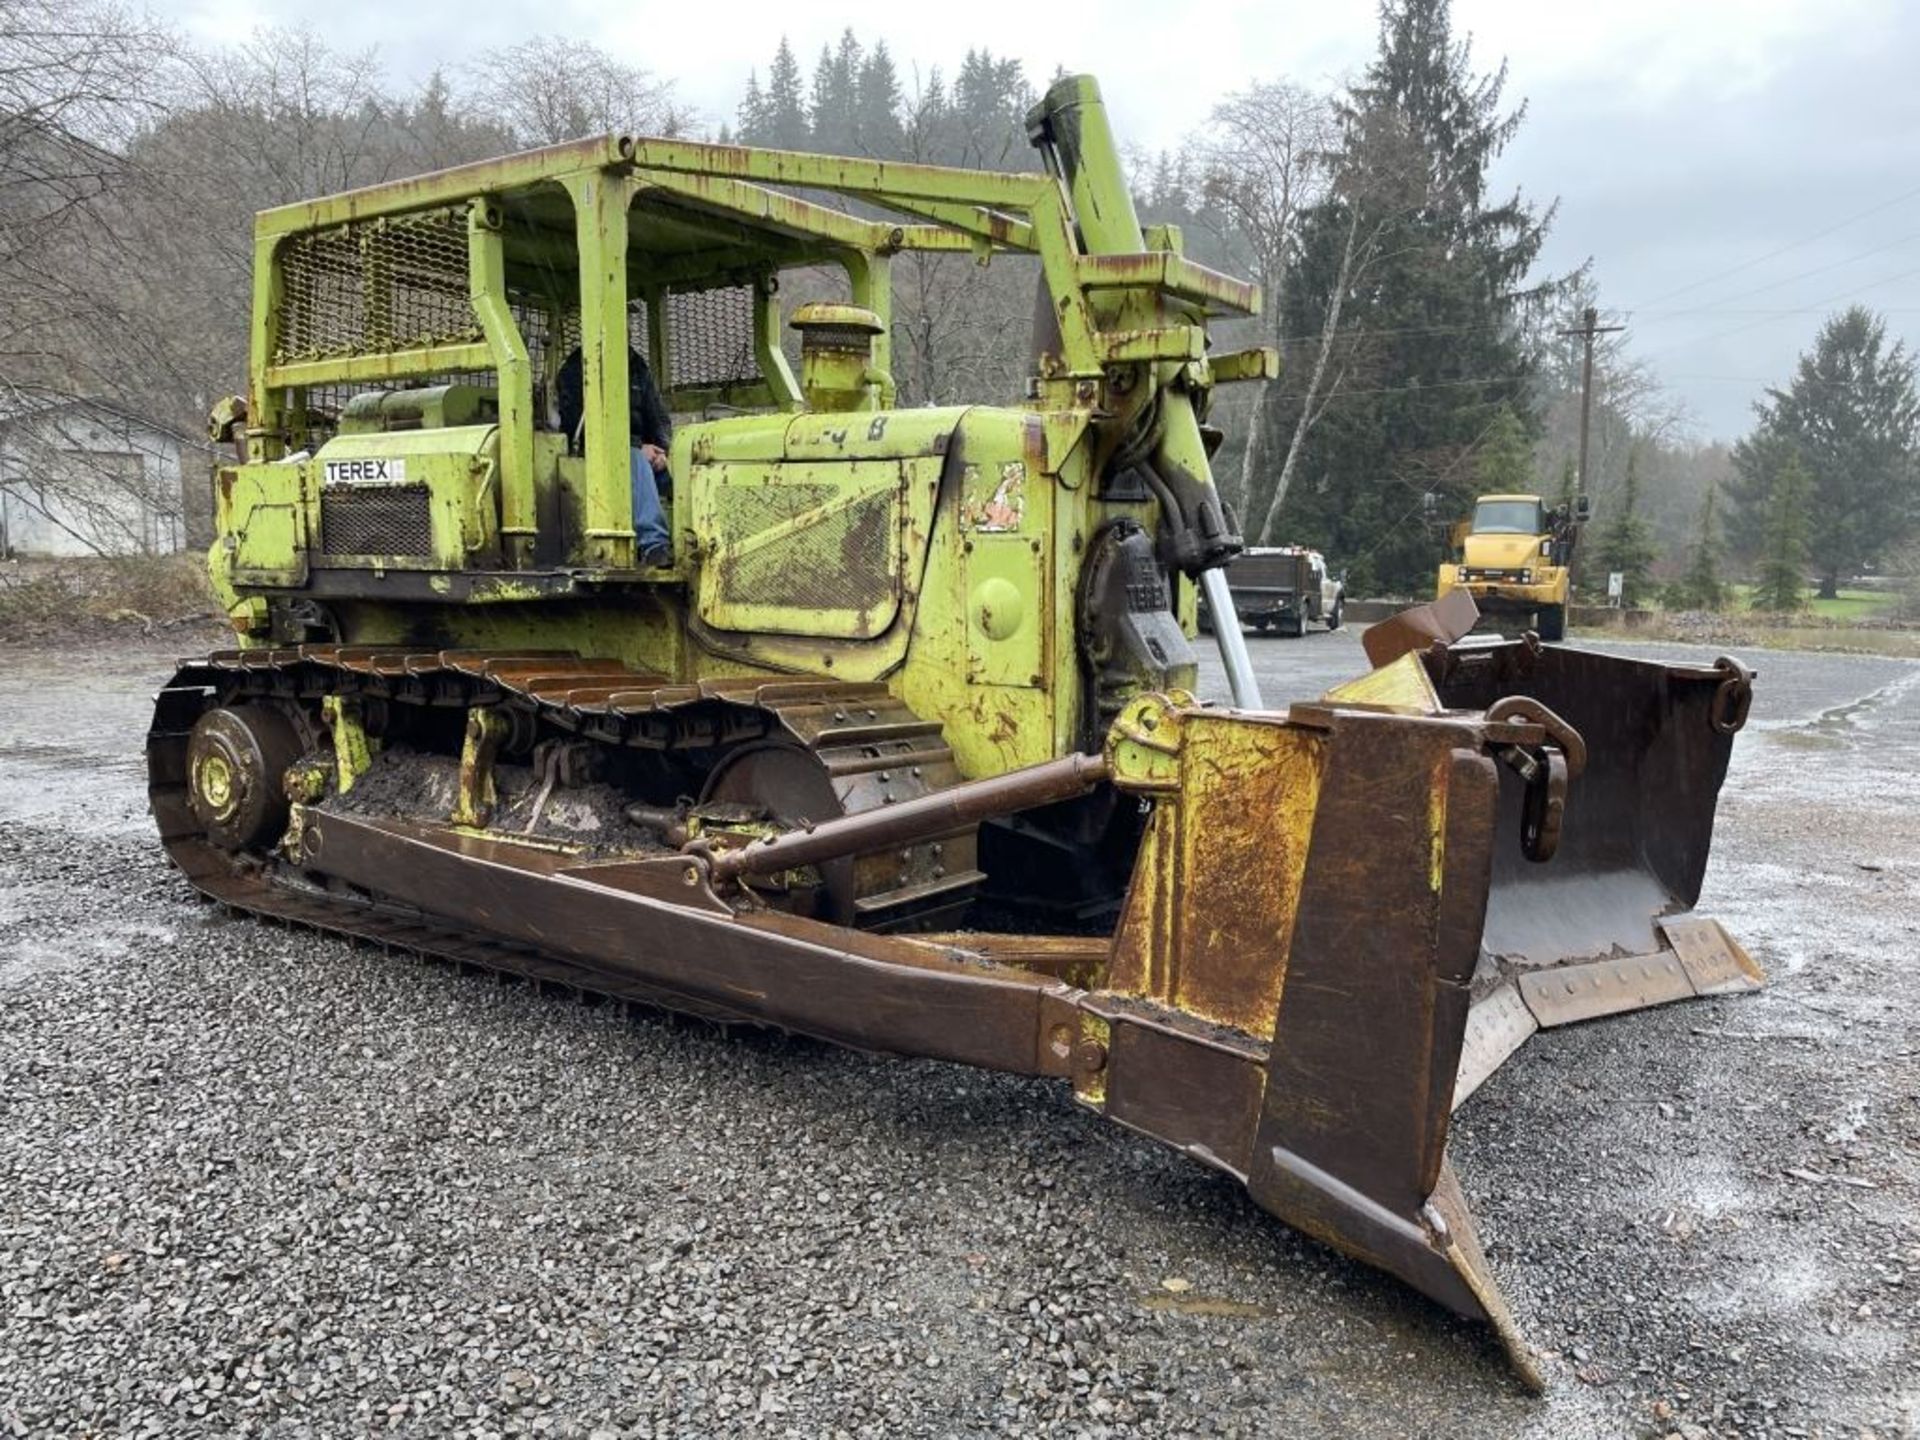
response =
{"points": [[366, 472], [1003, 510]]}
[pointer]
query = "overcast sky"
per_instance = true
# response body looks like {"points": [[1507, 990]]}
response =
{"points": [[1735, 169]]}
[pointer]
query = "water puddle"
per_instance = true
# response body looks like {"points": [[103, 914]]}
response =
{"points": [[29, 961], [1840, 726], [1806, 740]]}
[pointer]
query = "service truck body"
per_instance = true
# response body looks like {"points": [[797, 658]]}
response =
{"points": [[1284, 586]]}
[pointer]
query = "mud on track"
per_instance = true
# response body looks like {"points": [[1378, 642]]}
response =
{"points": [[256, 1181]]}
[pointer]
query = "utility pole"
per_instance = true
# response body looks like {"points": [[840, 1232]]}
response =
{"points": [[1588, 328]]}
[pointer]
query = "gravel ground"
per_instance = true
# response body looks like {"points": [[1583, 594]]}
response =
{"points": [[258, 1182]]}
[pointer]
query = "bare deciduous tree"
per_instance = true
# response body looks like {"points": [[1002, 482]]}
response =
{"points": [[1376, 177], [1262, 161], [75, 80], [550, 89]]}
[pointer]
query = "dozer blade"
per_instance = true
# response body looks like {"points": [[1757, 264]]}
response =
{"points": [[1329, 933], [1606, 924], [1321, 893], [1502, 838]]}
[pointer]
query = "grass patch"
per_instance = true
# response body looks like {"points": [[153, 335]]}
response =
{"points": [[1848, 605]]}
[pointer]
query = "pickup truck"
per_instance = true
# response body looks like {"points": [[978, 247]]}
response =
{"points": [[1283, 587]]}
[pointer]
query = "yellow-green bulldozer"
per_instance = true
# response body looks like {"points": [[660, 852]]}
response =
{"points": [[896, 743]]}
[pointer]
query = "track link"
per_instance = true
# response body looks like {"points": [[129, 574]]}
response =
{"points": [[872, 748]]}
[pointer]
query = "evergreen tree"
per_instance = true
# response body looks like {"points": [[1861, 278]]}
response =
{"points": [[786, 112], [1503, 462], [1783, 565], [1429, 341], [990, 102], [1625, 544], [835, 103], [756, 118], [877, 130], [1851, 417], [1700, 588]]}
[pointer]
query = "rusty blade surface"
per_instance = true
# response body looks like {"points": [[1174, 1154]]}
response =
{"points": [[1441, 621], [1356, 949], [1372, 1021]]}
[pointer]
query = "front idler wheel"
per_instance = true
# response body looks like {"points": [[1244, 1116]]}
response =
{"points": [[236, 756]]}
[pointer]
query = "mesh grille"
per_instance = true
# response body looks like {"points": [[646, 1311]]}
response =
{"points": [[557, 334], [710, 337], [390, 520], [841, 563], [380, 285], [537, 328], [745, 510]]}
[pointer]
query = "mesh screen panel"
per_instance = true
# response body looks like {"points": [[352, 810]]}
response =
{"points": [[710, 337], [387, 520], [840, 563], [379, 285], [836, 337], [537, 328]]}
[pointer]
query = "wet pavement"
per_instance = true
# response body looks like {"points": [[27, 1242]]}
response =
{"points": [[1706, 1215]]}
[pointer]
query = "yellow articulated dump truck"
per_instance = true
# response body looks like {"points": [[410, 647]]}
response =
{"points": [[1514, 556]]}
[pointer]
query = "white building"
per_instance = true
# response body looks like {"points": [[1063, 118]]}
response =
{"points": [[84, 477]]}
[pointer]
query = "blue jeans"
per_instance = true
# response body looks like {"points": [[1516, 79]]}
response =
{"points": [[649, 524]]}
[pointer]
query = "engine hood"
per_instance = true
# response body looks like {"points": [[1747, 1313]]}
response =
{"points": [[1502, 552]]}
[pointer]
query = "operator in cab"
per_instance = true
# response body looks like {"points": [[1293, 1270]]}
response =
{"points": [[650, 431]]}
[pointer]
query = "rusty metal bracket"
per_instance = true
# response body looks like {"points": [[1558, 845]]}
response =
{"points": [[486, 728], [352, 750], [1527, 710], [1143, 743], [1544, 809], [1733, 700], [1546, 769], [1733, 693], [1443, 621]]}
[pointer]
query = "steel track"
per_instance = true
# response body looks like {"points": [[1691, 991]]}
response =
{"points": [[853, 729]]}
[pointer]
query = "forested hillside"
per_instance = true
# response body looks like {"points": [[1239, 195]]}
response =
{"points": [[1420, 336]]}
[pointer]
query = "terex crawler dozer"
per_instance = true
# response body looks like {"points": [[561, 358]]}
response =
{"points": [[901, 750]]}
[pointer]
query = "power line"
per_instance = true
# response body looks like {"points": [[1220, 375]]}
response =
{"points": [[1771, 311], [1835, 299], [1404, 330], [1638, 312], [1434, 385], [1790, 245], [1789, 280], [1794, 380]]}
